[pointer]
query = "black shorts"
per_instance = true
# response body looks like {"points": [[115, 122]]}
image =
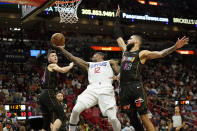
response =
{"points": [[174, 129], [135, 96], [51, 108]]}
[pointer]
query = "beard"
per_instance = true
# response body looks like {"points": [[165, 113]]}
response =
{"points": [[129, 47]]}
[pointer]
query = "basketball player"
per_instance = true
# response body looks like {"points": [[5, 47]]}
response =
{"points": [[132, 91], [99, 91], [49, 105]]}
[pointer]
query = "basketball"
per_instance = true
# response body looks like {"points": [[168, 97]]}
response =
{"points": [[58, 39]]}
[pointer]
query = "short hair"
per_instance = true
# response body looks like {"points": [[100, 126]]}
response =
{"points": [[59, 92], [176, 106], [139, 38], [49, 52], [102, 54]]}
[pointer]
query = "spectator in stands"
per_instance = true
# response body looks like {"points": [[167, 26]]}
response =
{"points": [[60, 98], [163, 126], [177, 122], [22, 128], [2, 97], [8, 127], [128, 127], [190, 117]]}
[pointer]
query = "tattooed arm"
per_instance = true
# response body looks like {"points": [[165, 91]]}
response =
{"points": [[145, 54]]}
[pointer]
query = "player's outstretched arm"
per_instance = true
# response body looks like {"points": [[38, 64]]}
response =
{"points": [[55, 67], [118, 32], [115, 66], [145, 54], [78, 61]]}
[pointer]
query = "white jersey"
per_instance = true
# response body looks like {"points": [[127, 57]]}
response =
{"points": [[100, 73]]}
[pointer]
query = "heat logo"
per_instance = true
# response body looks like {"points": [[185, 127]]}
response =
{"points": [[139, 102], [130, 59]]}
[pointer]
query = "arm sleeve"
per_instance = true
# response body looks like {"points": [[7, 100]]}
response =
{"points": [[117, 30]]}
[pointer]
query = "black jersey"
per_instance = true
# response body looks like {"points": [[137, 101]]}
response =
{"points": [[50, 79], [130, 68]]}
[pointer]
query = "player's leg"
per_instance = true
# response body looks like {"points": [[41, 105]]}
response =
{"points": [[107, 105], [147, 123], [127, 101], [43, 102], [134, 119], [111, 114], [46, 120], [86, 100], [142, 108], [74, 118]]}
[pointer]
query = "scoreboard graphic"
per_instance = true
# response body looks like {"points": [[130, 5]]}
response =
{"points": [[17, 111]]}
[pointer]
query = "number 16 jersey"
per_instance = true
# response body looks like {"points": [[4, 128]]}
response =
{"points": [[130, 68]]}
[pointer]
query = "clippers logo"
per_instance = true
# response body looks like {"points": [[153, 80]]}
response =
{"points": [[98, 64], [139, 102]]}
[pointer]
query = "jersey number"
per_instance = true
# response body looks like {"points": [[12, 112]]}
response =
{"points": [[127, 66], [97, 70]]}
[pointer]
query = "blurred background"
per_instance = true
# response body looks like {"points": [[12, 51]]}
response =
{"points": [[169, 81]]}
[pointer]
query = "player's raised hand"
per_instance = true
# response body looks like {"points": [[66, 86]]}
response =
{"points": [[58, 47], [181, 42], [118, 11], [71, 64]]}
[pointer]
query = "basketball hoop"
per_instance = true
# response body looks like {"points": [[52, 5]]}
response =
{"points": [[68, 10]]}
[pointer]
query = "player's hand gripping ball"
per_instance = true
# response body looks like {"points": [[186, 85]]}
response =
{"points": [[58, 39]]}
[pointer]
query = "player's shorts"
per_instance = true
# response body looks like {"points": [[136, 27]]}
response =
{"points": [[103, 96], [134, 95], [50, 108], [174, 129]]}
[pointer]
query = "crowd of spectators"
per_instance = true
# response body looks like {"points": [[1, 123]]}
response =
{"points": [[166, 80]]}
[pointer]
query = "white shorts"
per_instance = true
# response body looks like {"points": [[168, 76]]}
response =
{"points": [[104, 97]]}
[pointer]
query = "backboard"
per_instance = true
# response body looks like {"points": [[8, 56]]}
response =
{"points": [[30, 8], [33, 7]]}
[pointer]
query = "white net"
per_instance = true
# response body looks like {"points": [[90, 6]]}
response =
{"points": [[68, 10]]}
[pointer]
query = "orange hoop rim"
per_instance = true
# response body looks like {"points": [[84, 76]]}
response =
{"points": [[66, 2], [59, 2]]}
